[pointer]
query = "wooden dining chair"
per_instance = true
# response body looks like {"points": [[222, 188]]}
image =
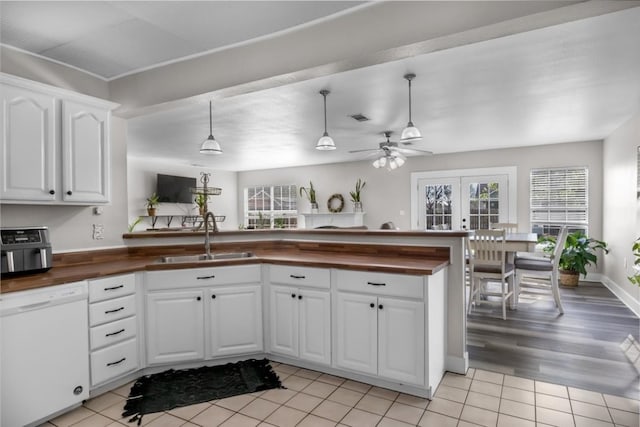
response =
{"points": [[488, 264], [541, 273]]}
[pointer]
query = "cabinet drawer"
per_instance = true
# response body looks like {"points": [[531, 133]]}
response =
{"points": [[300, 276], [113, 332], [114, 361], [380, 283], [198, 277], [110, 310], [111, 287]]}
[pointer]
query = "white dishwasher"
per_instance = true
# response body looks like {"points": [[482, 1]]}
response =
{"points": [[44, 359]]}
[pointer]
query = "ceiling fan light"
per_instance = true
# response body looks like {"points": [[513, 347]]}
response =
{"points": [[376, 163], [399, 161], [325, 143], [210, 146], [411, 133]]}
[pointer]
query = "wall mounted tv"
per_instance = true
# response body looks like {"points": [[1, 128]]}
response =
{"points": [[175, 189]]}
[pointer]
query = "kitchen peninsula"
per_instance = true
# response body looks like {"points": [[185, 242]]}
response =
{"points": [[378, 306]]}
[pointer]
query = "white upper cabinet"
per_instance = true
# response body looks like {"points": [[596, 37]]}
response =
{"points": [[85, 153], [29, 144], [54, 145]]}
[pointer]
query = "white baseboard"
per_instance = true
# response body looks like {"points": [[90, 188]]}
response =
{"points": [[456, 364], [628, 300]]}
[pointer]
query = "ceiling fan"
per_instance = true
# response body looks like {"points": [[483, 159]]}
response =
{"points": [[388, 147], [390, 155]]}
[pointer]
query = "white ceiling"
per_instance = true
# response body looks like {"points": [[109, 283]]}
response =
{"points": [[571, 82], [114, 38]]}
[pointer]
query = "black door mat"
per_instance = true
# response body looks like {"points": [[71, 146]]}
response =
{"points": [[172, 389]]}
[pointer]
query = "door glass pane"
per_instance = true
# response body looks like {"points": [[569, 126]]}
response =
{"points": [[484, 204], [438, 207]]}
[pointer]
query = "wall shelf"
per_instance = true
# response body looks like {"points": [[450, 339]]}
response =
{"points": [[338, 219], [194, 220]]}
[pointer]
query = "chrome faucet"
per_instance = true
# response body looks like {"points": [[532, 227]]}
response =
{"points": [[207, 240]]}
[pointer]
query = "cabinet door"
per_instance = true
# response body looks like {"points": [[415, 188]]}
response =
{"points": [[357, 336], [235, 320], [315, 326], [284, 320], [175, 326], [27, 129], [85, 153], [401, 340]]}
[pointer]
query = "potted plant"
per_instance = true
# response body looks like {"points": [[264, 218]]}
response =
{"points": [[310, 194], [355, 195], [201, 200], [635, 279], [579, 252], [152, 202]]}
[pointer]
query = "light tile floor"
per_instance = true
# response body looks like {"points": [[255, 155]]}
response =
{"points": [[314, 399]]}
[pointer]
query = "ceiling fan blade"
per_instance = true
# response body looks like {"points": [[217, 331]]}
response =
{"points": [[412, 150], [366, 149]]}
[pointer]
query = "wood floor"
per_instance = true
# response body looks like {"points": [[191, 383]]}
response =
{"points": [[580, 348]]}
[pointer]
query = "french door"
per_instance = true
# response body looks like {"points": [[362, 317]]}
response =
{"points": [[463, 202]]}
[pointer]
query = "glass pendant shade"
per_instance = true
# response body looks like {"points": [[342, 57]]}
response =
{"points": [[210, 145], [325, 142], [410, 133]]}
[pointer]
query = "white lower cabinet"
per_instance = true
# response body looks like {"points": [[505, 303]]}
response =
{"points": [[301, 323], [175, 326], [300, 315], [381, 335], [197, 314], [235, 320], [114, 328]]}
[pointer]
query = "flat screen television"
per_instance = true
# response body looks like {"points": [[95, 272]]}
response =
{"points": [[175, 189]]}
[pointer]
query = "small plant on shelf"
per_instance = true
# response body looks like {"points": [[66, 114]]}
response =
{"points": [[310, 194], [152, 202], [355, 195], [201, 200]]}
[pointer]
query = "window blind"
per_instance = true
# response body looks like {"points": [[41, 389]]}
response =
{"points": [[559, 197]]}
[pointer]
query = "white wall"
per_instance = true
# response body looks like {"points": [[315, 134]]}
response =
{"points": [[621, 206], [71, 227], [142, 182], [387, 195]]}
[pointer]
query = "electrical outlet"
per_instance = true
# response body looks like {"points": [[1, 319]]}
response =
{"points": [[98, 231]]}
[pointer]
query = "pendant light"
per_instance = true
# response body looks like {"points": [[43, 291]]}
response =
{"points": [[210, 145], [410, 133], [325, 142]]}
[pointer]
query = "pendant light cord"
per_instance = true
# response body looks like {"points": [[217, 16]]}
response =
{"points": [[410, 121], [325, 113], [211, 118]]}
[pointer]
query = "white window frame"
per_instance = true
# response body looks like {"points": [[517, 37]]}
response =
{"points": [[554, 212], [271, 214]]}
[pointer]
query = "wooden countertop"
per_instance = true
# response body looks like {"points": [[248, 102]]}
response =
{"points": [[390, 259]]}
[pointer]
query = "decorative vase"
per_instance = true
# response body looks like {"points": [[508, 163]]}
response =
{"points": [[151, 211], [202, 211], [314, 208], [568, 278], [357, 206]]}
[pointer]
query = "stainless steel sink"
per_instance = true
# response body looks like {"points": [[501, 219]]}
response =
{"points": [[203, 257]]}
